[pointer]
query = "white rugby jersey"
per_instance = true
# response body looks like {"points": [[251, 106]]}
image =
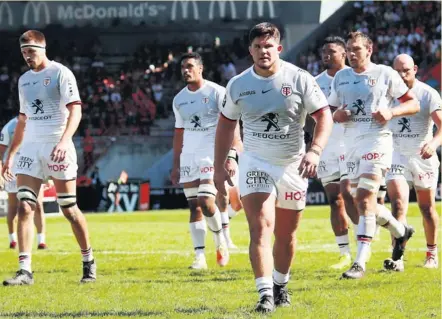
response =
{"points": [[198, 113], [364, 93], [7, 134], [335, 142], [411, 132], [273, 111], [44, 96]]}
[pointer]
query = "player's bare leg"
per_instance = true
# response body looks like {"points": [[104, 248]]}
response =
{"points": [[284, 247], [260, 213], [427, 206], [338, 218], [197, 225], [12, 220], [40, 222], [28, 188], [206, 200], [381, 201], [222, 201], [349, 201], [67, 199]]}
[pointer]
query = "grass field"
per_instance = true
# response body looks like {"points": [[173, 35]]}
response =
{"points": [[142, 266]]}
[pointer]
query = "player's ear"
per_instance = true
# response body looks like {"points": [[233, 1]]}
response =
{"points": [[415, 68], [279, 48], [250, 49]]}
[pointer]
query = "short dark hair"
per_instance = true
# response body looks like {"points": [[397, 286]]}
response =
{"points": [[333, 39], [192, 55], [359, 34], [32, 35], [264, 29]]}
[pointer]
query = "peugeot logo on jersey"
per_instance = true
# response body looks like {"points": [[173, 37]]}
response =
{"points": [[38, 104], [360, 106], [405, 124], [272, 121], [286, 89], [196, 120]]}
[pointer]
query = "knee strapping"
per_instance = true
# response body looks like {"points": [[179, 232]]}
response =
{"points": [[208, 190], [369, 184], [66, 200], [191, 193], [27, 194], [382, 191]]}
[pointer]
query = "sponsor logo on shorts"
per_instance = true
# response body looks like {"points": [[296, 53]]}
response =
{"points": [[58, 167], [372, 156], [397, 169], [184, 171], [257, 179], [295, 195], [351, 167], [38, 104], [426, 176], [321, 167], [24, 162], [206, 169], [342, 158]]}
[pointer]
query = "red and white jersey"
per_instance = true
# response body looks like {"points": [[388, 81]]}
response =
{"points": [[411, 132], [44, 96], [198, 113], [365, 93]]}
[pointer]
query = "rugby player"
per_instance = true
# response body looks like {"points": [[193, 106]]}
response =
{"points": [[364, 94], [50, 108], [415, 161], [272, 98]]}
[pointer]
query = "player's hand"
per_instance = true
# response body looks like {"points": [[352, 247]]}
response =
{"points": [[309, 163], [7, 169], [428, 150], [341, 115], [175, 176], [59, 152], [231, 167], [220, 177], [383, 115]]}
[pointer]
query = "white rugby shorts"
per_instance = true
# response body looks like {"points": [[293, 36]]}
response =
{"points": [[35, 160], [284, 182], [415, 170], [198, 165], [332, 168]]}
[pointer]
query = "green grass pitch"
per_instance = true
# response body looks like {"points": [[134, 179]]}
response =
{"points": [[142, 263]]}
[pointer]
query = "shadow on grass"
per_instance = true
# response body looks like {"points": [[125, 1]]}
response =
{"points": [[80, 314]]}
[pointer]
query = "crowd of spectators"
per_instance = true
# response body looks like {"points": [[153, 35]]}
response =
{"points": [[412, 27]]}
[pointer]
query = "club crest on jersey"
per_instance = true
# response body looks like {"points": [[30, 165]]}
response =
{"points": [[205, 100], [372, 81], [46, 81], [286, 90]]}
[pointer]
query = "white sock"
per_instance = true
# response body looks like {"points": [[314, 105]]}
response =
{"points": [[366, 229], [280, 279], [24, 261], [432, 249], [198, 231], [344, 246], [264, 285], [87, 254], [396, 228], [225, 224], [214, 223], [355, 232], [232, 213], [13, 237], [41, 238], [199, 253]]}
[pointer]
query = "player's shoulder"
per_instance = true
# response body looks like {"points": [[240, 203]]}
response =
{"points": [[425, 89], [344, 72], [214, 86], [293, 69], [58, 67], [182, 93], [24, 77]]}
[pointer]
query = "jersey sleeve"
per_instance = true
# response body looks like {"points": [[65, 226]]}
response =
{"points": [[397, 86], [333, 98], [313, 97], [68, 87], [220, 94], [434, 101], [179, 122], [230, 109], [5, 139]]}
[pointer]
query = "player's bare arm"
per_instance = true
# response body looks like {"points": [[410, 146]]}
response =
{"points": [[409, 106], [16, 142], [321, 133], [177, 149], [59, 152], [225, 133], [231, 163], [429, 148], [341, 114]]}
